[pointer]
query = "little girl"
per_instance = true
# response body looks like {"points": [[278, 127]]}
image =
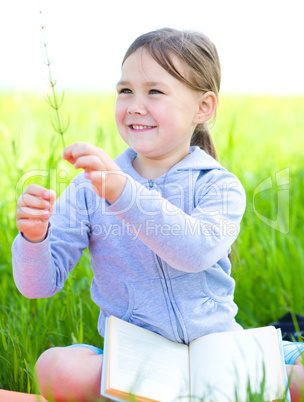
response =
{"points": [[159, 221]]}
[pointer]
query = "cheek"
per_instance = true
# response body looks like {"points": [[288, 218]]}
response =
{"points": [[119, 113], [120, 118], [161, 113]]}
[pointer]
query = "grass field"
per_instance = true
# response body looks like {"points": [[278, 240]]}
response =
{"points": [[256, 138]]}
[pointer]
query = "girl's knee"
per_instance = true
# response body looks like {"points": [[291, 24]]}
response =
{"points": [[64, 372], [49, 366]]}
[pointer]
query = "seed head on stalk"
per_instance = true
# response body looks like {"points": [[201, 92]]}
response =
{"points": [[53, 100]]}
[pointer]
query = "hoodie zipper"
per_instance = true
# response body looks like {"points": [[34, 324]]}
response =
{"points": [[178, 324]]}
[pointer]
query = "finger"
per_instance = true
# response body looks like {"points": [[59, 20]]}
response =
{"points": [[88, 163], [95, 176], [29, 200], [68, 154], [71, 152], [35, 189], [97, 180], [50, 195], [39, 191], [74, 151], [42, 198], [32, 213]]}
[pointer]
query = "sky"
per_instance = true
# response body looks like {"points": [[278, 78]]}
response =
{"points": [[260, 43]]}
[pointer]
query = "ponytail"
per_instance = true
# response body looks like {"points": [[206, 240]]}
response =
{"points": [[202, 138]]}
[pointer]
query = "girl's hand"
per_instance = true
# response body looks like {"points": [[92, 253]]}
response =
{"points": [[34, 208], [107, 178]]}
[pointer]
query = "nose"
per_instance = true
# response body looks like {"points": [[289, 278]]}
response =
{"points": [[137, 107]]}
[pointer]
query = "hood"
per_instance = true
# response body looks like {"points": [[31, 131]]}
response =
{"points": [[196, 160]]}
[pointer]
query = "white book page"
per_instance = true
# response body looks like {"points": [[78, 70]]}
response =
{"points": [[147, 364], [222, 363]]}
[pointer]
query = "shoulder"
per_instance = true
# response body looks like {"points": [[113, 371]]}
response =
{"points": [[221, 177], [212, 172], [220, 188]]}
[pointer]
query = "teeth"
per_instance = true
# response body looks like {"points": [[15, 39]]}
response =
{"points": [[140, 127]]}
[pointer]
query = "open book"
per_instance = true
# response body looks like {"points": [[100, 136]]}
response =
{"points": [[140, 365]]}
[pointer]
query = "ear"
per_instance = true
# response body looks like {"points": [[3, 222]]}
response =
{"points": [[206, 108]]}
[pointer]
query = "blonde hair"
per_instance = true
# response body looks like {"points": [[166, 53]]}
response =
{"points": [[199, 54]]}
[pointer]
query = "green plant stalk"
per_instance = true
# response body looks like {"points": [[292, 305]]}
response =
{"points": [[52, 100]]}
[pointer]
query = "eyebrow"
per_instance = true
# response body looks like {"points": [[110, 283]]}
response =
{"points": [[147, 84], [123, 83]]}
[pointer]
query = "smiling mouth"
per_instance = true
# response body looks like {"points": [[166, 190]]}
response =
{"points": [[140, 127]]}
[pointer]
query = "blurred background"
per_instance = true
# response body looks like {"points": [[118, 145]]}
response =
{"points": [[260, 43]]}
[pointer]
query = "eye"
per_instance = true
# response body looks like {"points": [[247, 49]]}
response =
{"points": [[124, 91], [154, 91]]}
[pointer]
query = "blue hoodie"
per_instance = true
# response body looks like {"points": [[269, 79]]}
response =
{"points": [[159, 253]]}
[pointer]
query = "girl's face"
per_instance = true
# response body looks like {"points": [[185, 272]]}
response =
{"points": [[155, 113]]}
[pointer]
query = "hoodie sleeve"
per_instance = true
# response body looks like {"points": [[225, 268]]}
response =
{"points": [[187, 242], [40, 269]]}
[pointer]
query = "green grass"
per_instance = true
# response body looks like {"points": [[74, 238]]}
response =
{"points": [[256, 137]]}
